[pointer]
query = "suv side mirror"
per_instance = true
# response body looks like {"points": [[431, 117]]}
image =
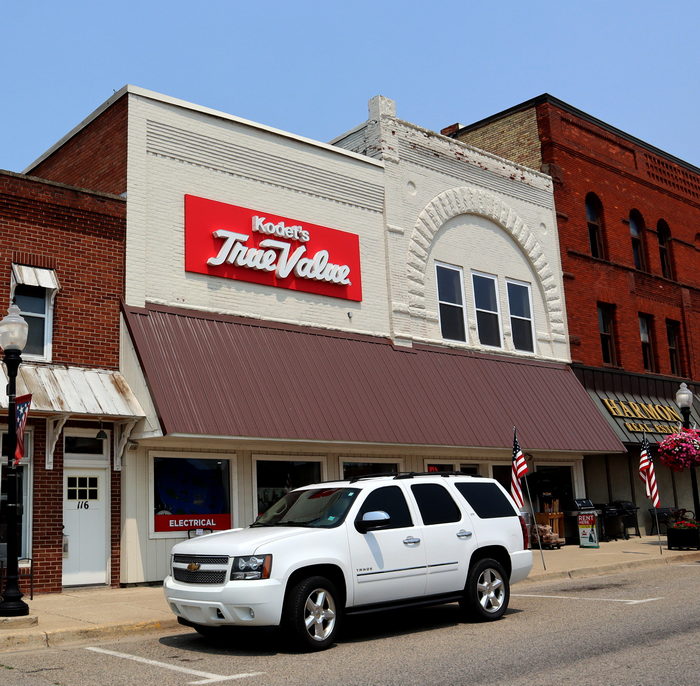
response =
{"points": [[371, 521]]}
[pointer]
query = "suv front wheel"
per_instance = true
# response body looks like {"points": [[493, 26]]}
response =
{"points": [[311, 613], [487, 591]]}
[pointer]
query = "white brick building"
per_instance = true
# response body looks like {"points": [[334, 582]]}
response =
{"points": [[254, 381]]}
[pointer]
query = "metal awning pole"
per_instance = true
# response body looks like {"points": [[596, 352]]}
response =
{"points": [[534, 522]]}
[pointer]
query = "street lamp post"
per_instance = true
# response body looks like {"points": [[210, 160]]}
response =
{"points": [[684, 400], [13, 337]]}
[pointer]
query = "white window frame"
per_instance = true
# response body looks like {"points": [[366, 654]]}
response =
{"points": [[494, 278], [281, 458], [375, 460], [191, 454], [460, 271], [39, 278], [511, 316], [27, 464], [99, 461], [456, 465]]}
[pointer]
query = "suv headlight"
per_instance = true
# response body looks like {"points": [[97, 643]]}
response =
{"points": [[251, 567]]}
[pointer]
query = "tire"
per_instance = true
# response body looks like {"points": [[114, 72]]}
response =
{"points": [[487, 591], [311, 614]]}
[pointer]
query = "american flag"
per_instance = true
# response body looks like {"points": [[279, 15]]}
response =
{"points": [[519, 470], [21, 411], [646, 473]]}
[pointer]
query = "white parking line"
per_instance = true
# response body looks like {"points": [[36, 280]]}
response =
{"points": [[571, 597], [209, 678]]}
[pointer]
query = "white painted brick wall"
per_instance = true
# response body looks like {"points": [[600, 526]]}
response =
{"points": [[158, 184]]}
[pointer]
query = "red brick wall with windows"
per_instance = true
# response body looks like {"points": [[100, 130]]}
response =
{"points": [[95, 157], [625, 176], [80, 235]]}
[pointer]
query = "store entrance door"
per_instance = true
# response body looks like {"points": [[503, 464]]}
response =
{"points": [[84, 526]]}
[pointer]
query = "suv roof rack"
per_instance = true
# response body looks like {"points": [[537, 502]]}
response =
{"points": [[411, 475]]}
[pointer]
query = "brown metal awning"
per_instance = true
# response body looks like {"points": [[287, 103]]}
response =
{"points": [[216, 375]]}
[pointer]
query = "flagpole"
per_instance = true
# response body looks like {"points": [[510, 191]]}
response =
{"points": [[658, 531], [534, 520]]}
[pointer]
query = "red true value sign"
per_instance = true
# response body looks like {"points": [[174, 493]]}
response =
{"points": [[248, 245]]}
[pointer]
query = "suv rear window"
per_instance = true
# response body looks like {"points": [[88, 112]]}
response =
{"points": [[487, 499]]}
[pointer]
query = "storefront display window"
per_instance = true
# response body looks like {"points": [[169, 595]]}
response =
{"points": [[191, 494], [275, 478], [353, 470], [22, 481], [452, 467]]}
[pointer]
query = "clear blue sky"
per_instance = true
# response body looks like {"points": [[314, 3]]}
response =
{"points": [[309, 67]]}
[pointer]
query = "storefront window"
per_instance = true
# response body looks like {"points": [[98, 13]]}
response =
{"points": [[22, 477], [191, 494], [451, 467], [275, 478], [353, 470]]}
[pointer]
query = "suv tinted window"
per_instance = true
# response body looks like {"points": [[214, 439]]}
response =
{"points": [[487, 499], [435, 504], [391, 500]]}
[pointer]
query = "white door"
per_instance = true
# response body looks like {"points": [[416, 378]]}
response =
{"points": [[388, 564], [84, 526]]}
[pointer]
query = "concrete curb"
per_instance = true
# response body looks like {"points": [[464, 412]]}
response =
{"points": [[36, 640], [611, 568]]}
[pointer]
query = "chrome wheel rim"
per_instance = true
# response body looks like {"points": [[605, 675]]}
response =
{"points": [[490, 590], [319, 614]]}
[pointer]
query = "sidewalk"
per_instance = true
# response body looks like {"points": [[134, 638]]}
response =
{"points": [[84, 615]]}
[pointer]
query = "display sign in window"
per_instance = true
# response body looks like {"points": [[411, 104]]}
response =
{"points": [[191, 493]]}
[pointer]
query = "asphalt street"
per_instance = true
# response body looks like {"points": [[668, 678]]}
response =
{"points": [[638, 628]]}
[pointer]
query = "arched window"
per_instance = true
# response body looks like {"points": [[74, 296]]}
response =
{"points": [[594, 217], [663, 233], [637, 236]]}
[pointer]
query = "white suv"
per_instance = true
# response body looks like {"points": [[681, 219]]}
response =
{"points": [[343, 547]]}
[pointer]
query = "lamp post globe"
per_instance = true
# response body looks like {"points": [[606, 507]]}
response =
{"points": [[13, 338]]}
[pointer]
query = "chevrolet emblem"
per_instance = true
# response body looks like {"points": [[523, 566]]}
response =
{"points": [[193, 566]]}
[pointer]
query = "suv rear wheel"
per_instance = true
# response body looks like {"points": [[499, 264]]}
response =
{"points": [[487, 591], [311, 613]]}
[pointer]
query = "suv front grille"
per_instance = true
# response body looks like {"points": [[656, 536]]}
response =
{"points": [[199, 577], [202, 559], [200, 569]]}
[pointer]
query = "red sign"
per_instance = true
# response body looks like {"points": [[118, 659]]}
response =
{"points": [[248, 245], [171, 522]]}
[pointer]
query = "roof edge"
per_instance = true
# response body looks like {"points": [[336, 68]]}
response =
{"points": [[551, 100], [130, 89]]}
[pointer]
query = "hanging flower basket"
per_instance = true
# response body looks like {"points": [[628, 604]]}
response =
{"points": [[680, 451]]}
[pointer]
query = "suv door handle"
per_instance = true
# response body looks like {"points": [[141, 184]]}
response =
{"points": [[464, 534], [410, 540]]}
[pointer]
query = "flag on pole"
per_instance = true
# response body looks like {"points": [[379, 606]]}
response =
{"points": [[21, 411], [646, 473], [519, 470]]}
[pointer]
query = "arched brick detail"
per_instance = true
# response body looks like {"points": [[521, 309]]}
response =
{"points": [[466, 200]]}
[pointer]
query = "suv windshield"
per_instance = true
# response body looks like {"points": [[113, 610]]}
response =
{"points": [[318, 507]]}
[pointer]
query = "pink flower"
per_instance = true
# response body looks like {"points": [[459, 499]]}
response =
{"points": [[681, 450]]}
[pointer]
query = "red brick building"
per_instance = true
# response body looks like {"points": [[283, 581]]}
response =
{"points": [[628, 217], [62, 262]]}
